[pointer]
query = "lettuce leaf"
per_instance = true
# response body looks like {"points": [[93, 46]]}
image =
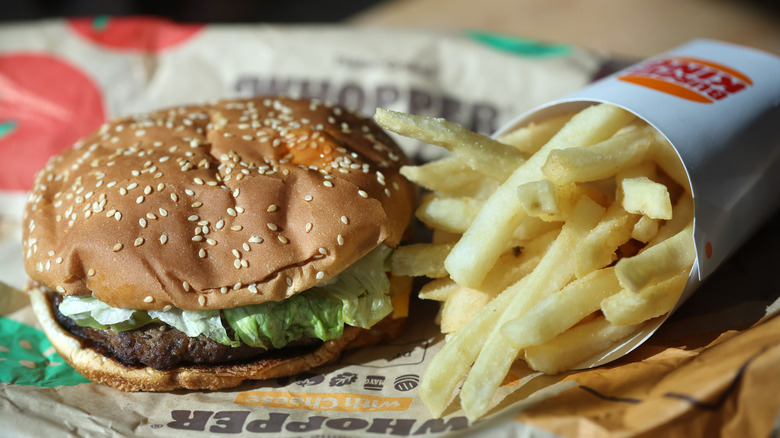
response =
{"points": [[358, 296]]}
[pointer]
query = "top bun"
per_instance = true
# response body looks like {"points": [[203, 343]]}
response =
{"points": [[215, 206]]}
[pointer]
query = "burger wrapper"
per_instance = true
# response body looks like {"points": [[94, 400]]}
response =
{"points": [[710, 369]]}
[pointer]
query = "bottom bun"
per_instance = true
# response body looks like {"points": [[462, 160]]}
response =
{"points": [[107, 371]]}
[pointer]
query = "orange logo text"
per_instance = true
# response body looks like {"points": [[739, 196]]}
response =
{"points": [[689, 78], [323, 402]]}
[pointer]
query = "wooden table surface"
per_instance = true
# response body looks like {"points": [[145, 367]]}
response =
{"points": [[628, 28]]}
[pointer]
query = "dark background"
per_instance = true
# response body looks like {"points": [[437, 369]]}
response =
{"points": [[223, 11]]}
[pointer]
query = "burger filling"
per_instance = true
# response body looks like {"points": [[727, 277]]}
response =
{"points": [[359, 296]]}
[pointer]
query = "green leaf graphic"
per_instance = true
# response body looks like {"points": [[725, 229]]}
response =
{"points": [[7, 128], [519, 46], [100, 23], [28, 358]]}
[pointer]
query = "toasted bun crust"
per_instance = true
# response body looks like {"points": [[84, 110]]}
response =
{"points": [[107, 371], [215, 206]]}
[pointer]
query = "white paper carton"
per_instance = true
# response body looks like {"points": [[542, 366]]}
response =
{"points": [[718, 104]]}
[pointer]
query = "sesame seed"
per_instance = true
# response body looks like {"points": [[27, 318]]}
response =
{"points": [[344, 220], [60, 289], [320, 275], [142, 222], [240, 209], [340, 239], [246, 246], [163, 212], [256, 239], [163, 238], [58, 260], [167, 308], [223, 289], [118, 216], [186, 286], [160, 187], [271, 226], [231, 211], [148, 190], [271, 208], [237, 286], [237, 263], [189, 192], [363, 193], [139, 200], [253, 288], [174, 197], [211, 242], [202, 300], [197, 238], [282, 239], [197, 204], [387, 192], [193, 218], [90, 273], [327, 184], [236, 254], [110, 213], [309, 226], [151, 216], [323, 251], [220, 224], [244, 263], [308, 198], [139, 241], [198, 181], [289, 282], [118, 247], [132, 186], [202, 253], [148, 299]]}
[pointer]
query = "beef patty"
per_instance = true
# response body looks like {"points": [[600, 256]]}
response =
{"points": [[161, 346]]}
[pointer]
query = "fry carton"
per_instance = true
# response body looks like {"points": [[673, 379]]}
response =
{"points": [[717, 104]]}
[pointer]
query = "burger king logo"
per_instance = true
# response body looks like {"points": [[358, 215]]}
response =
{"points": [[692, 79]]}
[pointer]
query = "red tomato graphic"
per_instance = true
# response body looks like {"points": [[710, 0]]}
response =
{"points": [[46, 105], [134, 33]]}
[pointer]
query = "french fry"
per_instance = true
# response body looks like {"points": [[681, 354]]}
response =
{"points": [[420, 260], [448, 213], [598, 248], [483, 154], [527, 257], [459, 307], [476, 252], [547, 201], [658, 262], [644, 196], [553, 272], [452, 362], [645, 229], [576, 345], [450, 176], [628, 307], [561, 311], [533, 136], [622, 151]]}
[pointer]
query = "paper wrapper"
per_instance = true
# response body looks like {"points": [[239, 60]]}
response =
{"points": [[709, 370]]}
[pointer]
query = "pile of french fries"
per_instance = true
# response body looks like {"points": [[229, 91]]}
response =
{"points": [[551, 243]]}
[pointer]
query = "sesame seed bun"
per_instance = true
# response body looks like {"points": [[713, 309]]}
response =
{"points": [[215, 206]]}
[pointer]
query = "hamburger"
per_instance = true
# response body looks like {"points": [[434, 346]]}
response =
{"points": [[201, 246]]}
